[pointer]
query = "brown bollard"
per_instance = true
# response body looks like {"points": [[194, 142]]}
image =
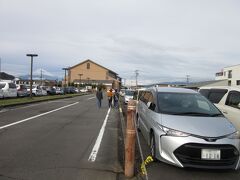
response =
{"points": [[130, 140]]}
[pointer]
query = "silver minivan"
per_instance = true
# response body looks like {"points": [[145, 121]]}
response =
{"points": [[8, 89], [183, 128]]}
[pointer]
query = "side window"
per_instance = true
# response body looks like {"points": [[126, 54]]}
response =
{"points": [[216, 95], [2, 86], [12, 86], [204, 92], [233, 99]]}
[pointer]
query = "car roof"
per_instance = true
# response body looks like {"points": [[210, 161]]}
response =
{"points": [[222, 87], [175, 90]]}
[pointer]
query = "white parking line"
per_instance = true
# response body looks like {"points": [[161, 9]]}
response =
{"points": [[96, 147], [91, 98], [39, 115]]}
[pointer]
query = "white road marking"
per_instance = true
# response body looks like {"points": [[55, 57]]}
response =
{"points": [[39, 115], [91, 98], [96, 147]]}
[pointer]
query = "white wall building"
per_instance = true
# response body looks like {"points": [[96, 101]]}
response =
{"points": [[230, 73]]}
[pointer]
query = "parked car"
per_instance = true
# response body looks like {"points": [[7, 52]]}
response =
{"points": [[185, 129], [83, 90], [1, 93], [51, 91], [43, 91], [128, 95], [8, 89], [59, 91], [36, 90], [22, 90], [227, 99]]}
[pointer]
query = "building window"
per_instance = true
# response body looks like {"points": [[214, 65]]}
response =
{"points": [[238, 82], [224, 73], [229, 83], [88, 65], [230, 74]]}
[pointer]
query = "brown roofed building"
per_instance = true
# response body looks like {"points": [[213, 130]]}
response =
{"points": [[89, 72]]}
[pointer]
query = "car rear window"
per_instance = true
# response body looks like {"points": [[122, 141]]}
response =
{"points": [[216, 95], [2, 86], [204, 92]]}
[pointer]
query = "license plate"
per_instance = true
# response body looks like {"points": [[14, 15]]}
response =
{"points": [[211, 154]]}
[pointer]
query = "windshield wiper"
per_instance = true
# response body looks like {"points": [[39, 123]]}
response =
{"points": [[216, 115]]}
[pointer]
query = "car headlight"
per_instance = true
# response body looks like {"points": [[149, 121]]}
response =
{"points": [[235, 135], [172, 132]]}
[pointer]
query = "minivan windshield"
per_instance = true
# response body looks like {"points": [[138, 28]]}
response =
{"points": [[186, 104]]}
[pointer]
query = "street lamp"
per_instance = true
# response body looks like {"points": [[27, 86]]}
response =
{"points": [[31, 55]]}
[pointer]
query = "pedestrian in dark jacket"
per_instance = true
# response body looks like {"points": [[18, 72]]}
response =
{"points": [[99, 96]]}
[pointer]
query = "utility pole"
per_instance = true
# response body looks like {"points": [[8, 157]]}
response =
{"points": [[41, 77], [188, 77], [65, 77], [80, 79], [136, 75], [31, 55]]}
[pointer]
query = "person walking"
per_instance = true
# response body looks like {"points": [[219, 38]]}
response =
{"points": [[116, 98], [110, 96], [99, 96]]}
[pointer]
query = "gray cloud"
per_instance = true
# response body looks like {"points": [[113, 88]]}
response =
{"points": [[165, 40]]}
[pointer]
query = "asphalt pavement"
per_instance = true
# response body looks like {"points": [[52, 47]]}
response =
{"points": [[54, 140]]}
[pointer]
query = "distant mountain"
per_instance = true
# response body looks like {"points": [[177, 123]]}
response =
{"points": [[40, 74], [6, 76]]}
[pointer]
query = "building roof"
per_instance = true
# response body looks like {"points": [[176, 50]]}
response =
{"points": [[232, 66], [203, 83], [88, 60], [6, 76]]}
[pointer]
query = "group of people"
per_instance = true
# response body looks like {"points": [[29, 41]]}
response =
{"points": [[113, 97]]}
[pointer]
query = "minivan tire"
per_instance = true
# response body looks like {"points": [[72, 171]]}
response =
{"points": [[137, 124], [153, 146]]}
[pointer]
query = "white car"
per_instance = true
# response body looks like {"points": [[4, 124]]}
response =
{"points": [[83, 90], [128, 95], [36, 90], [1, 93], [8, 89], [227, 99]]}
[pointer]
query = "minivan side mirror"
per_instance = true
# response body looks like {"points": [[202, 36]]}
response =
{"points": [[151, 106]]}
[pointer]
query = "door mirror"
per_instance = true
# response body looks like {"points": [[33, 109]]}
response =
{"points": [[238, 105], [151, 106]]}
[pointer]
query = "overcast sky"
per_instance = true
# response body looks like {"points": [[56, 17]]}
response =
{"points": [[164, 39]]}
